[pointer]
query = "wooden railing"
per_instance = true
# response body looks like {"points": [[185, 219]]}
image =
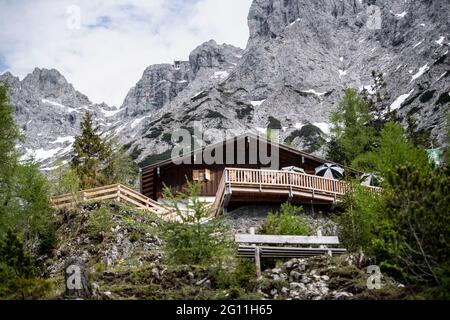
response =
{"points": [[260, 179], [116, 192], [276, 178]]}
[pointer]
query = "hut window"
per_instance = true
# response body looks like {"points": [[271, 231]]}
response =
{"points": [[201, 175]]}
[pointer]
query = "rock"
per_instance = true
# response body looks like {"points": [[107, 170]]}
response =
{"points": [[305, 279], [276, 271], [291, 264], [200, 282], [342, 295], [284, 290], [295, 275], [325, 278], [76, 279], [155, 272], [297, 286], [95, 290]]}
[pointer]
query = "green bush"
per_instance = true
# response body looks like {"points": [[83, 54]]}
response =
{"points": [[239, 274], [64, 179], [286, 221], [190, 240], [18, 271], [406, 228], [100, 223], [274, 123]]}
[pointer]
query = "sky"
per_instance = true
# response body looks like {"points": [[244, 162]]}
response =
{"points": [[102, 47]]}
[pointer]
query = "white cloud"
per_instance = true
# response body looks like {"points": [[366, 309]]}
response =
{"points": [[117, 39]]}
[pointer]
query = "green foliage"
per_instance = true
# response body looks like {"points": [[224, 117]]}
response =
{"points": [[237, 278], [421, 138], [100, 161], [406, 228], [378, 102], [24, 191], [286, 221], [417, 239], [9, 137], [190, 240], [119, 167], [64, 179], [394, 150], [246, 111], [274, 123], [167, 138], [90, 151], [18, 271], [357, 222], [100, 223], [447, 150], [311, 136], [214, 115], [156, 158], [13, 255], [352, 134]]}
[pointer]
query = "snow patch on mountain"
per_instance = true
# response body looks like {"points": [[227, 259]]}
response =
{"points": [[399, 101]]}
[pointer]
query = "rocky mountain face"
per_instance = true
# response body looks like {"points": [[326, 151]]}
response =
{"points": [[49, 110], [300, 57]]}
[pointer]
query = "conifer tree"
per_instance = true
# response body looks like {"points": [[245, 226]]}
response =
{"points": [[352, 133], [24, 193], [89, 153], [9, 137]]}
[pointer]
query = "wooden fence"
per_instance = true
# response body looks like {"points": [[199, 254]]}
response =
{"points": [[116, 192]]}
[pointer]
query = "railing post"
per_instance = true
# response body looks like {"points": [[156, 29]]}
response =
{"points": [[290, 186], [260, 180], [118, 193]]}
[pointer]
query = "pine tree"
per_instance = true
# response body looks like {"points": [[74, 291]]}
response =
{"points": [[10, 136], [119, 167], [24, 192], [89, 153], [353, 134]]}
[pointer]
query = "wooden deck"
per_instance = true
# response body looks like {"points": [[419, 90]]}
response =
{"points": [[255, 185], [236, 185]]}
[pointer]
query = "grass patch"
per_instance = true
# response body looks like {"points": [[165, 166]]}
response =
{"points": [[310, 135], [274, 123]]}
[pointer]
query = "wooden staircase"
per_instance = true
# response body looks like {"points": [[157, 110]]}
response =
{"points": [[117, 192]]}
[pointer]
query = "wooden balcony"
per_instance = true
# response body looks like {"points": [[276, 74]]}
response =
{"points": [[262, 186]]}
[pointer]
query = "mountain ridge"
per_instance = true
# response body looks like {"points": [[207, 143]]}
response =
{"points": [[299, 58]]}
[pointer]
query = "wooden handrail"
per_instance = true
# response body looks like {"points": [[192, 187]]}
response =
{"points": [[116, 191], [219, 194], [263, 177], [286, 179]]}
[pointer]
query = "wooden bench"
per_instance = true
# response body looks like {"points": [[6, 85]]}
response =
{"points": [[272, 246]]}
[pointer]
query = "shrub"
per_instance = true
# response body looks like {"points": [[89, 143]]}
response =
{"points": [[356, 223], [239, 274], [64, 180], [286, 222], [100, 223], [190, 240], [406, 228], [18, 271]]}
